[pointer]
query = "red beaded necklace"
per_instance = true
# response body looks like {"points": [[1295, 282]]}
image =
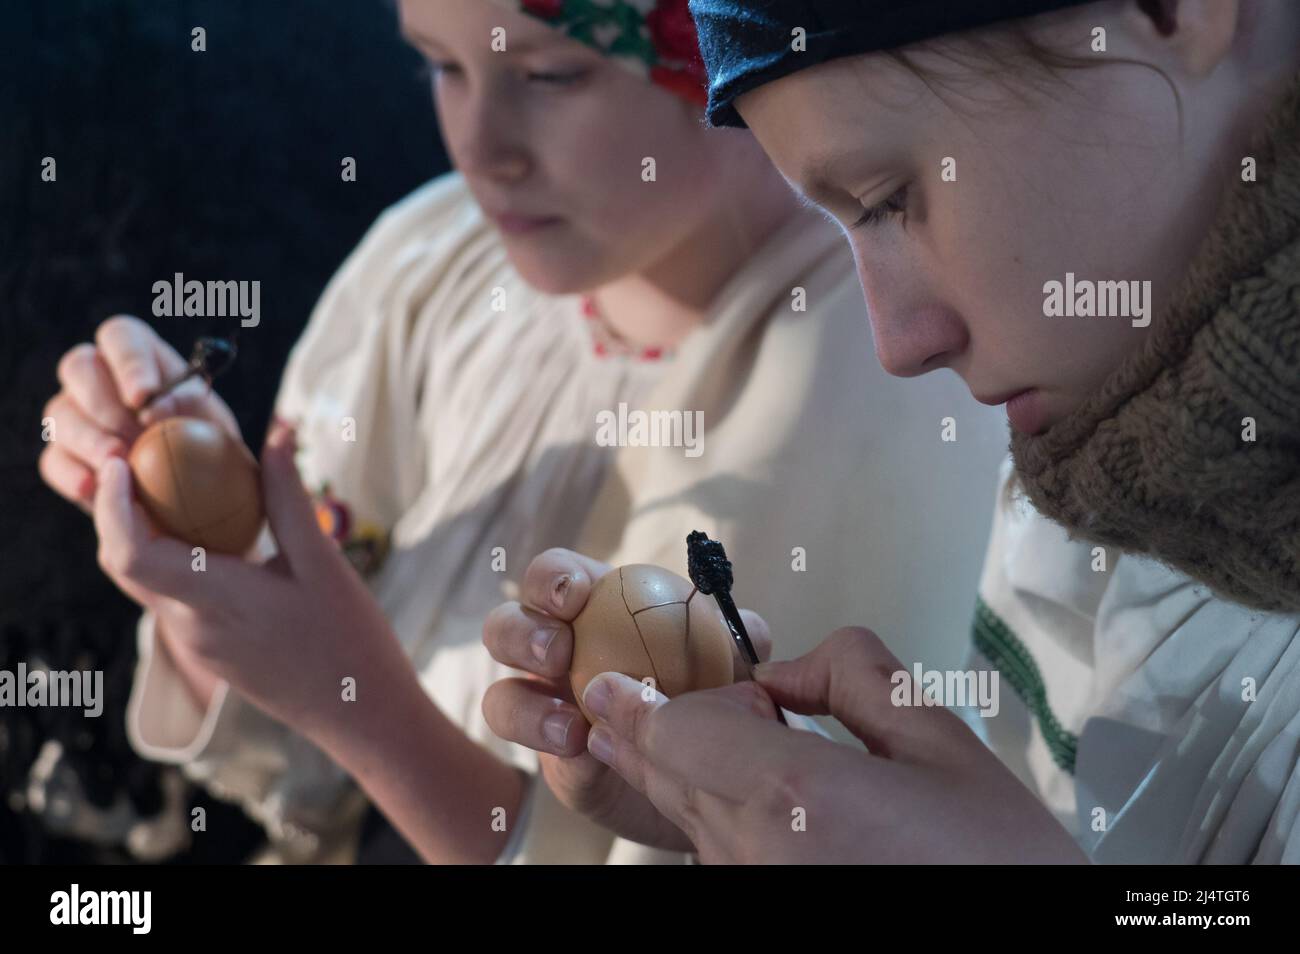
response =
{"points": [[607, 344]]}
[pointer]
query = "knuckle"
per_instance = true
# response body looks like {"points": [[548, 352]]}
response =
{"points": [[117, 325], [106, 559], [130, 364], [649, 732], [490, 708], [857, 640], [495, 622], [54, 407], [860, 650], [552, 555], [753, 697], [45, 464], [118, 561], [689, 814], [757, 626], [783, 789], [76, 361], [640, 726]]}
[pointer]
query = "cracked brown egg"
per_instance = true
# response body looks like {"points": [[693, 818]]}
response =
{"points": [[199, 484], [649, 623]]}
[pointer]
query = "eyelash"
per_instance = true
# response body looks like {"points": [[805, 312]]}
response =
{"points": [[894, 206], [430, 69], [558, 79]]}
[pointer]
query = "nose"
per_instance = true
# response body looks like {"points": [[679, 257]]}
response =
{"points": [[914, 334], [486, 141]]}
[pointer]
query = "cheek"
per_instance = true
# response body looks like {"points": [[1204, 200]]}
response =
{"points": [[995, 247], [631, 190]]}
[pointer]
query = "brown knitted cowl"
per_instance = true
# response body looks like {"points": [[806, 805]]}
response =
{"points": [[1156, 462]]}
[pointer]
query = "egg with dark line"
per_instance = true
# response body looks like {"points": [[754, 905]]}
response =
{"points": [[198, 484], [649, 623]]}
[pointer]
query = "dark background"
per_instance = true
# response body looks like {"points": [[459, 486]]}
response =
{"points": [[222, 165]]}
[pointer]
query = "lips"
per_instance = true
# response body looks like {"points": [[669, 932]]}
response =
{"points": [[1024, 409], [1025, 412], [517, 223], [1001, 398]]}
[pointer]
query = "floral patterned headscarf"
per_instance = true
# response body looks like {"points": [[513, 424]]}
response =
{"points": [[653, 38]]}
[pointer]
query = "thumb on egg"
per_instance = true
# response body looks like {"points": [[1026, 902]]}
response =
{"points": [[289, 508], [144, 566]]}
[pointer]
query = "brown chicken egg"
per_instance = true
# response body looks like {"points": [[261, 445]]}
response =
{"points": [[648, 622], [199, 484]]}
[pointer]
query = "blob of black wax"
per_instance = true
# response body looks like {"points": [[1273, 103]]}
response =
{"points": [[710, 571], [707, 564], [211, 357]]}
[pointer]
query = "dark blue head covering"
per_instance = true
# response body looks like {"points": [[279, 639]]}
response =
{"points": [[747, 43]]}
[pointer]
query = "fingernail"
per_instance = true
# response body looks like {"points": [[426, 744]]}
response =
{"points": [[559, 588], [555, 727], [541, 642], [598, 697], [601, 745]]}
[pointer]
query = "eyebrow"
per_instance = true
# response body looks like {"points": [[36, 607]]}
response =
{"points": [[416, 38], [815, 178]]}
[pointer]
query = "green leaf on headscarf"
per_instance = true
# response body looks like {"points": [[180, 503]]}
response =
{"points": [[579, 19]]}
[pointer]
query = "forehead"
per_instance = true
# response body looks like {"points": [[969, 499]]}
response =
{"points": [[462, 23], [811, 123]]}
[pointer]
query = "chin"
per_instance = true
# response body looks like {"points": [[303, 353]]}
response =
{"points": [[557, 275]]}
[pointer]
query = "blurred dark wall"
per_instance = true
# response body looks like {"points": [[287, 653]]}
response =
{"points": [[223, 165]]}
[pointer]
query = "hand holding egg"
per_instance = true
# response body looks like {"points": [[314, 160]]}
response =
{"points": [[572, 622], [102, 386]]}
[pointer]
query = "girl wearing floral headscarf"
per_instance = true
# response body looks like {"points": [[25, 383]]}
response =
{"points": [[597, 251]]}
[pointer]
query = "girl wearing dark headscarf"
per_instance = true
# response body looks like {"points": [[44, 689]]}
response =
{"points": [[1092, 215]]}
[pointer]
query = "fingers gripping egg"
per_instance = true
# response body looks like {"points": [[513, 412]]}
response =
{"points": [[199, 484], [647, 622]]}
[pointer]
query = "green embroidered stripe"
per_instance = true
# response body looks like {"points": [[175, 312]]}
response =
{"points": [[1009, 656]]}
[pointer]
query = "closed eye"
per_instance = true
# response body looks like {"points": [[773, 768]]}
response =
{"points": [[881, 212], [558, 79], [432, 69]]}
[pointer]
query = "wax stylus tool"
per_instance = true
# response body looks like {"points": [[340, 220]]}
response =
{"points": [[710, 571], [209, 358]]}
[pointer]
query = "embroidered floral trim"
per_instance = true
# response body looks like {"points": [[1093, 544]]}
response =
{"points": [[655, 38], [606, 344], [364, 544], [1004, 650]]}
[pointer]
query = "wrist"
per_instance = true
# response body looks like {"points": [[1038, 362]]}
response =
{"points": [[357, 726], [440, 788]]}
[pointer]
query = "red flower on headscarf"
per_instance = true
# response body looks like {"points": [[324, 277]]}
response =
{"points": [[546, 9], [673, 33]]}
